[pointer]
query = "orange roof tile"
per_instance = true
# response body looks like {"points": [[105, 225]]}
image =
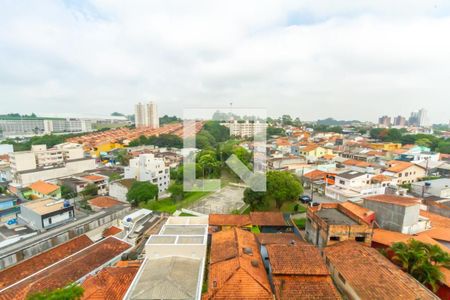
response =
{"points": [[277, 238], [328, 156], [94, 177], [43, 187], [296, 259], [267, 218], [396, 166], [236, 269], [69, 269], [110, 283], [381, 178], [393, 199], [371, 275], [357, 163], [315, 174], [357, 210], [38, 262], [436, 220], [304, 287], [104, 202], [113, 230], [229, 219]]}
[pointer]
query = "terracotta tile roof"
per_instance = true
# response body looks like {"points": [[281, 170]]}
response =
{"points": [[69, 269], [93, 177], [315, 174], [304, 287], [104, 202], [43, 187], [38, 262], [387, 237], [277, 238], [357, 163], [113, 230], [282, 142], [309, 148], [297, 259], [267, 218], [371, 275], [381, 178], [438, 233], [328, 156], [396, 166], [393, 199], [110, 283], [236, 269], [363, 213], [229, 219], [436, 220]]}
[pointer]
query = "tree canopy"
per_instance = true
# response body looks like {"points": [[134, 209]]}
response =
{"points": [[281, 187], [72, 292], [164, 140], [142, 191], [421, 260]]}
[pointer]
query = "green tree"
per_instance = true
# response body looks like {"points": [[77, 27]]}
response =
{"points": [[123, 157], [283, 187], [176, 192], [424, 142], [218, 131], [67, 192], [422, 261], [271, 131], [254, 199], [72, 292], [89, 191], [209, 163], [114, 176], [142, 191]]}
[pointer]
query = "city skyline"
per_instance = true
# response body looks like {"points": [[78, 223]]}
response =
{"points": [[354, 61]]}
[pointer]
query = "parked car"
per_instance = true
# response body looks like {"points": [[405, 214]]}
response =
{"points": [[305, 199]]}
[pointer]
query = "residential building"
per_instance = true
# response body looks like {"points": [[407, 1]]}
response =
{"points": [[404, 172], [361, 272], [330, 223], [103, 202], [246, 128], [437, 187], [353, 185], [100, 181], [174, 261], [270, 222], [385, 146], [46, 213], [111, 282], [119, 188], [146, 115], [218, 222], [149, 168], [397, 213], [313, 152], [42, 189], [297, 271], [384, 121], [30, 127], [68, 269], [284, 163], [41, 163], [9, 207], [419, 118], [236, 270], [400, 121]]}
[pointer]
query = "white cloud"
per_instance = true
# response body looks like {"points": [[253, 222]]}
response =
{"points": [[355, 60]]}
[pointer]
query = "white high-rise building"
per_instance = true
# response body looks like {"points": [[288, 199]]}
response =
{"points": [[147, 167], [146, 115]]}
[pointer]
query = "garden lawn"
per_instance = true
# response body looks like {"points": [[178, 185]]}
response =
{"points": [[169, 206]]}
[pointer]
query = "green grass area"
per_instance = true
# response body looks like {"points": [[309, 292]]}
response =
{"points": [[169, 206], [183, 214], [300, 223], [289, 207], [255, 229]]}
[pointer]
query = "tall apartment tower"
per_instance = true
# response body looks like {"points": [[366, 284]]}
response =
{"points": [[384, 121], [146, 115]]}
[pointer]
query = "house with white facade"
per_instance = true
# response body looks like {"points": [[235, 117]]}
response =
{"points": [[147, 167], [352, 185]]}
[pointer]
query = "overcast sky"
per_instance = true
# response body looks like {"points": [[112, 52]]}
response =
{"points": [[311, 59]]}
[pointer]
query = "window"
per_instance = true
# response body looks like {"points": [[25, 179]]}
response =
{"points": [[342, 182], [360, 239], [399, 174], [49, 220], [335, 238], [341, 278]]}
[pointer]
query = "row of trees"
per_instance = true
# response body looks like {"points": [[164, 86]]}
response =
{"points": [[49, 139], [400, 136], [282, 187], [164, 140]]}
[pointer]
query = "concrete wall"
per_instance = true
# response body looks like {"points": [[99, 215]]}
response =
{"points": [[393, 217]]}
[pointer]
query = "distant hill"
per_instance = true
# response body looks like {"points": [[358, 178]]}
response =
{"points": [[333, 122]]}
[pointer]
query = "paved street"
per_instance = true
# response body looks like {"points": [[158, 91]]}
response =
{"points": [[318, 197]]}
